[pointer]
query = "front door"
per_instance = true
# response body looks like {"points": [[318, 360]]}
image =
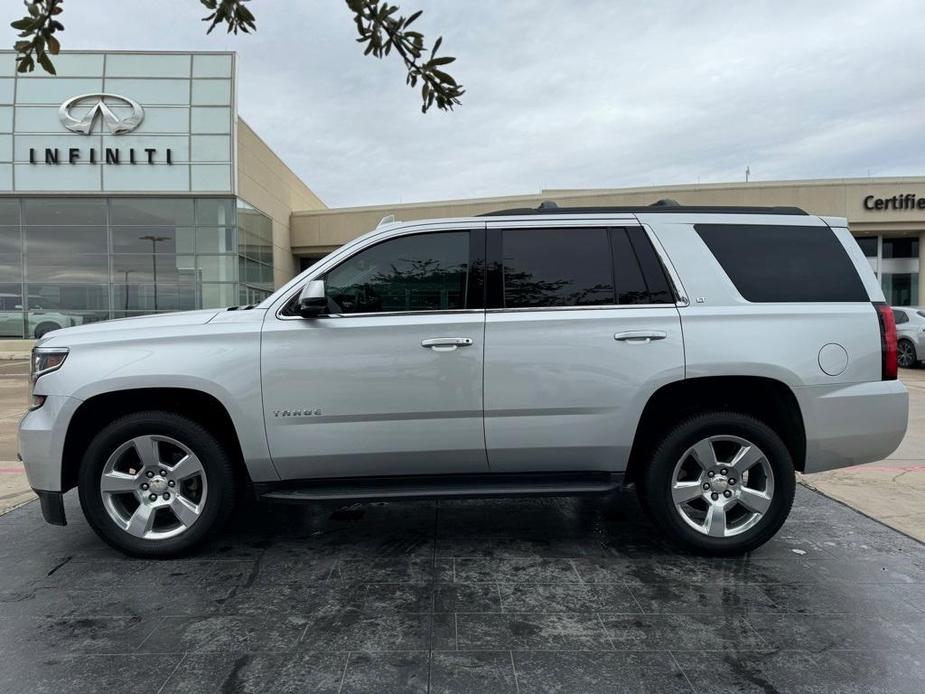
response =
{"points": [[581, 328], [390, 383]]}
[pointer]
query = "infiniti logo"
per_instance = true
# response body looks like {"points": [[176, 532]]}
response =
{"points": [[79, 113]]}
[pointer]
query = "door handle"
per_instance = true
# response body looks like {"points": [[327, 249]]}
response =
{"points": [[446, 344], [642, 337]]}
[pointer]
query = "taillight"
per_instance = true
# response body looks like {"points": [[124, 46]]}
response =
{"points": [[888, 358]]}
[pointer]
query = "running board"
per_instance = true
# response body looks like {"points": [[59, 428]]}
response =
{"points": [[441, 486]]}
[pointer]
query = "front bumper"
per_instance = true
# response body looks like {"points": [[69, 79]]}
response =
{"points": [[852, 424], [41, 441]]}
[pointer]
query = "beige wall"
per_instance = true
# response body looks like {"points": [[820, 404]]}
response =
{"points": [[268, 184], [315, 231]]}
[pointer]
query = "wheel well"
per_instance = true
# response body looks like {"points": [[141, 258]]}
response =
{"points": [[763, 398], [100, 410]]}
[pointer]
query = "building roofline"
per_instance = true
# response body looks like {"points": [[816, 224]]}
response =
{"points": [[722, 185], [573, 194]]}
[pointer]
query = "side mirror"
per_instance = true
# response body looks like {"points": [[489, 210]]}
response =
{"points": [[313, 301]]}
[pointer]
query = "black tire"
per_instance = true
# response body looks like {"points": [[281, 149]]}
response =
{"points": [[908, 359], [656, 480], [216, 465], [42, 328]]}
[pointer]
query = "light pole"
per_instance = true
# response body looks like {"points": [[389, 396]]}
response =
{"points": [[154, 241], [126, 289]]}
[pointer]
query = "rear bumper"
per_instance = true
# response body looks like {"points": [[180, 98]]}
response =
{"points": [[852, 424]]}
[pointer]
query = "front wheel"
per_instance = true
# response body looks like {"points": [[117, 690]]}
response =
{"points": [[720, 483], [155, 484]]}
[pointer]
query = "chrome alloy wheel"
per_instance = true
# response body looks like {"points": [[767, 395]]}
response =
{"points": [[906, 352], [153, 487], [722, 486]]}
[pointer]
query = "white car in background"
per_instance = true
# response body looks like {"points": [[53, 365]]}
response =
{"points": [[42, 317], [910, 330]]}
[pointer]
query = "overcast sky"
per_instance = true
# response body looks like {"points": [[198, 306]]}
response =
{"points": [[565, 94]]}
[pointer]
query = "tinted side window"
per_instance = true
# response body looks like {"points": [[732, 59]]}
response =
{"points": [[771, 263], [900, 317], [557, 267], [628, 281], [422, 272], [657, 287]]}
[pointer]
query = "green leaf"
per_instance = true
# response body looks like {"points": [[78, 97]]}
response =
{"points": [[443, 77], [46, 63], [26, 64], [54, 46], [25, 24]]}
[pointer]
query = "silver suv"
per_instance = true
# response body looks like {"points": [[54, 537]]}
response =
{"points": [[700, 354]]}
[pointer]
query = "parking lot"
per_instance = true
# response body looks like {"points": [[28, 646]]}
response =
{"points": [[528, 595]]}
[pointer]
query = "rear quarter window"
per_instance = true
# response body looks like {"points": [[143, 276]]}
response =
{"points": [[776, 263]]}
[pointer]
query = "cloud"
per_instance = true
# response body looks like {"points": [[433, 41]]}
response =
{"points": [[566, 94]]}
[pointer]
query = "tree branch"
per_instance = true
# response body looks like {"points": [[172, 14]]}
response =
{"points": [[381, 30], [232, 12], [378, 24], [37, 29]]}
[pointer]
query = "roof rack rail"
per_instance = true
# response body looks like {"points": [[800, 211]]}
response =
{"points": [[665, 205], [666, 202]]}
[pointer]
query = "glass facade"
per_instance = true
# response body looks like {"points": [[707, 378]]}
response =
{"points": [[71, 261], [255, 245], [895, 261]]}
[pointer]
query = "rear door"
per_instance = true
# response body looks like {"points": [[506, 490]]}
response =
{"points": [[581, 329]]}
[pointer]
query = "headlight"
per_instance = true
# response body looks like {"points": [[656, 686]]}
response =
{"points": [[46, 360]]}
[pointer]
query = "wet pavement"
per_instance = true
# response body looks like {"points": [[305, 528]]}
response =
{"points": [[529, 595]]}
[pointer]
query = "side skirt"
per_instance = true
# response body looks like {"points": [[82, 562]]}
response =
{"points": [[441, 486]]}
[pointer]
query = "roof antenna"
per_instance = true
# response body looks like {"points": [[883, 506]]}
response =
{"points": [[548, 205], [388, 219], [665, 202]]}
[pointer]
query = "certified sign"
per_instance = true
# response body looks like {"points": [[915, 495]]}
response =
{"points": [[902, 201]]}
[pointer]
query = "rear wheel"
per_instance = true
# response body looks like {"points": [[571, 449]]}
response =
{"points": [[906, 356], [155, 484], [720, 483]]}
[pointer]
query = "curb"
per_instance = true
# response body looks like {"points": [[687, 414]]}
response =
{"points": [[818, 491]]}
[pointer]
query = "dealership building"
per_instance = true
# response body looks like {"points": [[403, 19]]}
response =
{"points": [[129, 185]]}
